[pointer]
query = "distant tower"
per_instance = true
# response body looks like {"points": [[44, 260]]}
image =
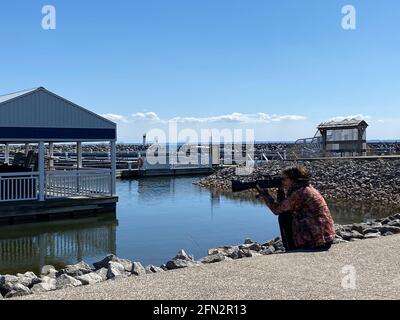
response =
{"points": [[144, 140]]}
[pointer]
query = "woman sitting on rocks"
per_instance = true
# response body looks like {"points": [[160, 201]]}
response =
{"points": [[304, 217]]}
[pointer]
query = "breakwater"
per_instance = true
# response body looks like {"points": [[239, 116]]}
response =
{"points": [[342, 179]]}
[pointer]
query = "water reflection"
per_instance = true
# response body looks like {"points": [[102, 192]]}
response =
{"points": [[30, 246], [155, 188]]}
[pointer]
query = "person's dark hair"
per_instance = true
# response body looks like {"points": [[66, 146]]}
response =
{"points": [[297, 174]]}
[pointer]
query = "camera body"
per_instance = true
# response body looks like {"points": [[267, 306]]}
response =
{"points": [[267, 183]]}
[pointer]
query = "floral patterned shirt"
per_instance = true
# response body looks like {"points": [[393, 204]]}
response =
{"points": [[312, 221]]}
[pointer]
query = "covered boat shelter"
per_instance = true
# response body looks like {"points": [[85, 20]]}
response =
{"points": [[37, 119]]}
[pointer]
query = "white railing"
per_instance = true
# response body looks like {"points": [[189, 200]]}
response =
{"points": [[19, 186], [75, 183]]}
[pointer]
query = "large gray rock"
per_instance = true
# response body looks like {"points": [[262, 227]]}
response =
{"points": [[102, 273], [179, 264], [245, 253], [28, 279], [338, 239], [138, 269], [255, 247], [370, 230], [356, 235], [104, 263], [394, 223], [115, 270], [7, 283], [18, 290], [182, 255], [268, 250], [126, 263], [66, 281], [113, 258], [213, 258], [278, 245], [234, 253], [75, 270], [372, 235], [268, 244], [385, 229], [153, 269], [48, 270], [359, 227], [90, 278], [345, 235], [47, 284], [225, 250], [164, 267]]}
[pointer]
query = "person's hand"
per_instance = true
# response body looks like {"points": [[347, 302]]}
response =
{"points": [[281, 194], [261, 192]]}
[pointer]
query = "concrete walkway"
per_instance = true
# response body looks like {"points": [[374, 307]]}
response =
{"points": [[280, 276]]}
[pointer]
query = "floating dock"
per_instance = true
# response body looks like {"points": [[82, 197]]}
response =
{"points": [[56, 208], [135, 173]]}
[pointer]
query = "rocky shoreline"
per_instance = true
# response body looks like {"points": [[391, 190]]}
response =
{"points": [[112, 267], [337, 179]]}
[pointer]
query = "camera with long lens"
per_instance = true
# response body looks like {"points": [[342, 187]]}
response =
{"points": [[267, 183]]}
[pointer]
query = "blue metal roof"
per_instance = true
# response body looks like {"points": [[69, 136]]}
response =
{"points": [[14, 95], [38, 114]]}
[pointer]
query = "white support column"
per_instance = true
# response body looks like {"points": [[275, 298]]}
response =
{"points": [[79, 154], [26, 149], [41, 168], [51, 153], [7, 154], [113, 153]]}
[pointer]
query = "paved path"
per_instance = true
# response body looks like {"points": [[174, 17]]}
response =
{"points": [[280, 276]]}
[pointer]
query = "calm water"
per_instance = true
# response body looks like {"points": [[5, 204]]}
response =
{"points": [[155, 218]]}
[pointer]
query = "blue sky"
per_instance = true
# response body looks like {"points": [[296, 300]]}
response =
{"points": [[279, 67]]}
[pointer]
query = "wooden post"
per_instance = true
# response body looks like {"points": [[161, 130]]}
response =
{"points": [[324, 142], [113, 154], [360, 141], [41, 168]]}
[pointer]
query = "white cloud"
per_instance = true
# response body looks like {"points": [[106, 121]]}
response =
{"points": [[151, 116], [240, 118], [235, 117], [356, 116], [115, 117]]}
